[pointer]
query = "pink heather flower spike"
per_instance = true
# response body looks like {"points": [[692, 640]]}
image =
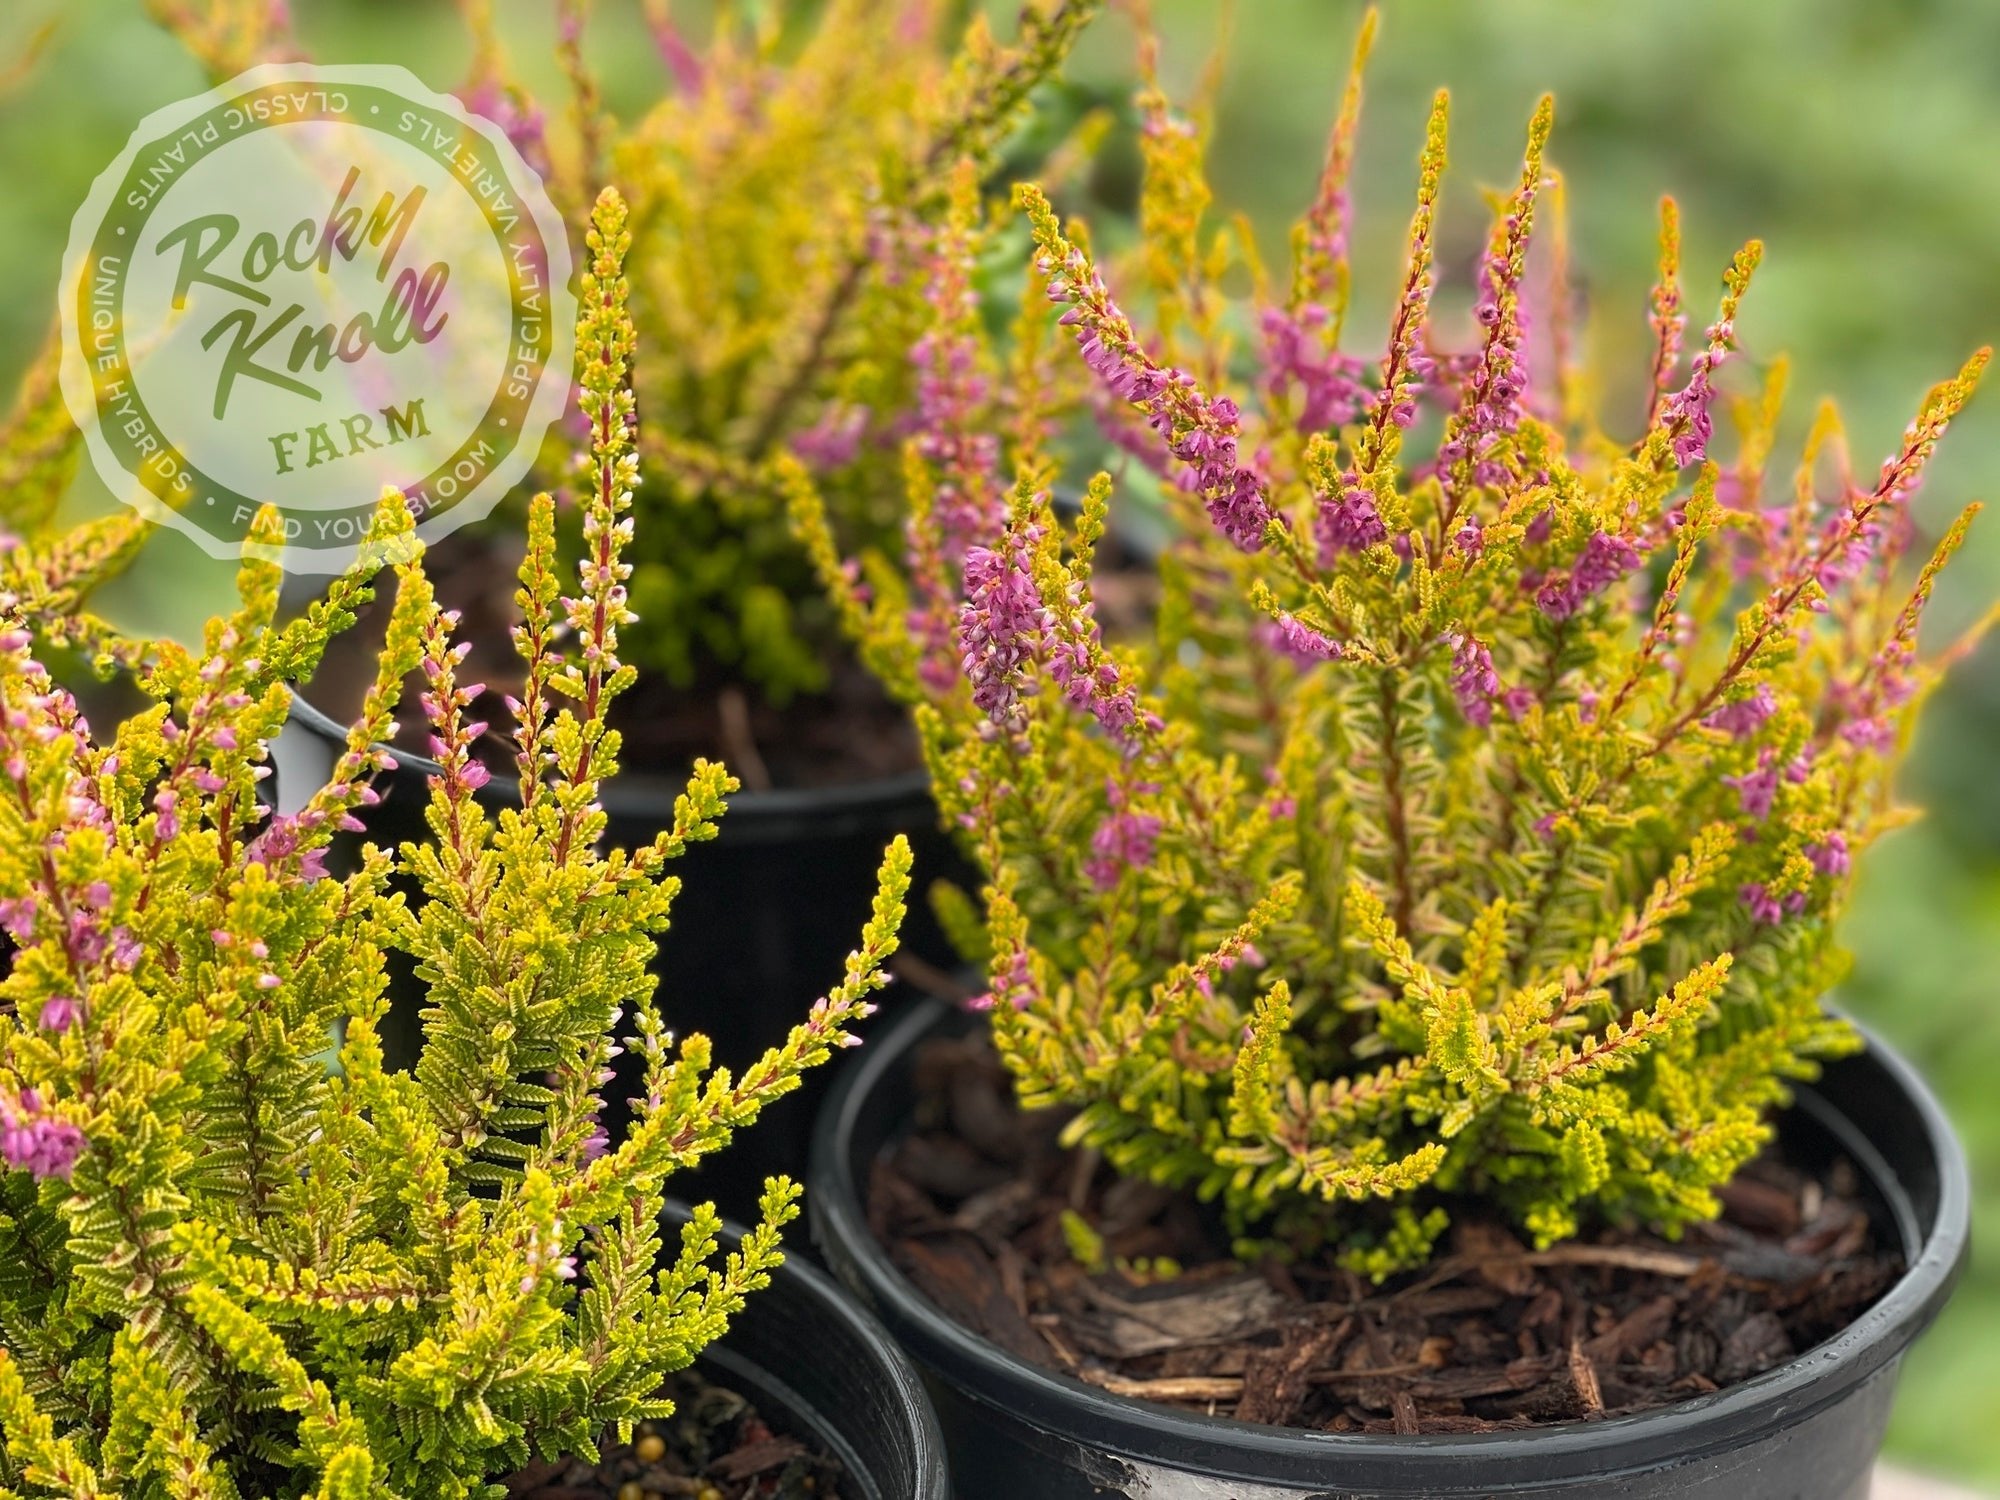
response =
{"points": [[1762, 905], [1685, 415], [1123, 841], [1473, 680], [1830, 856], [1306, 647], [1757, 790], [1350, 521], [1605, 560], [1000, 623], [37, 1143], [1668, 319], [1198, 430], [1743, 717], [1332, 384], [1490, 409]]}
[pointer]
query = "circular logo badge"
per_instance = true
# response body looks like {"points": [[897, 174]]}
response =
{"points": [[307, 285]]}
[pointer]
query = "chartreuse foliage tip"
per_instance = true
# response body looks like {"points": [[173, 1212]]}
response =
{"points": [[1470, 834], [230, 1269]]}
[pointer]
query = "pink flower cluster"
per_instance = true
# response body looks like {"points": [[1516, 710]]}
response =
{"points": [[1765, 907], [544, 1256], [1332, 384], [1868, 707], [1089, 679], [283, 839], [1349, 521], [967, 503], [1012, 984], [1199, 431], [520, 119], [1123, 841], [1293, 638], [444, 701], [1686, 412], [1498, 378], [1757, 790], [1000, 623], [34, 1141], [1743, 717], [1830, 856], [1474, 682], [833, 441], [1606, 559]]}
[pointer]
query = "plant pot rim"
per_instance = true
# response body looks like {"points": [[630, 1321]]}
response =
{"points": [[1096, 1420], [929, 1476], [774, 815]]}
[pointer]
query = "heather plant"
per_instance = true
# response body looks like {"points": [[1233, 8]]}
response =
{"points": [[239, 1256], [1472, 831], [796, 154]]}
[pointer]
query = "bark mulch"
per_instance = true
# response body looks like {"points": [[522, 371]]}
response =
{"points": [[1491, 1335], [715, 1447]]}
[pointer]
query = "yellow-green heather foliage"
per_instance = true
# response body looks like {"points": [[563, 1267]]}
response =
{"points": [[48, 570], [1475, 825], [230, 1267], [798, 153], [795, 155]]}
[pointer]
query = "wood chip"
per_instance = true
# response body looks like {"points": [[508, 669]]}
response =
{"points": [[1151, 1320], [1758, 1344], [757, 1458], [1583, 1375], [1496, 1256], [955, 1272], [1277, 1381], [1200, 1389], [1404, 1409]]}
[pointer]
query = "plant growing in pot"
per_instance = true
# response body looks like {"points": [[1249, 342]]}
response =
{"points": [[1406, 1068], [795, 150], [244, 1257]]}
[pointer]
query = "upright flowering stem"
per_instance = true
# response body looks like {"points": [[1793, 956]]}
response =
{"points": [[1684, 417], [963, 504], [1001, 621], [536, 598], [1407, 365], [1198, 430], [605, 341], [1490, 410], [1473, 680], [1320, 240], [1901, 473], [1301, 338], [452, 738], [1349, 517], [1669, 319]]}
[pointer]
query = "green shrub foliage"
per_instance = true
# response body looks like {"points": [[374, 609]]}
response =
{"points": [[239, 1257], [795, 150], [1474, 824]]}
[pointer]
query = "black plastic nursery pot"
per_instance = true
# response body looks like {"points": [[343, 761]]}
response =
{"points": [[1807, 1430], [765, 918], [815, 1365]]}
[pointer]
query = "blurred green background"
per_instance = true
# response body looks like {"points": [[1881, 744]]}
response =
{"points": [[1860, 140]]}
